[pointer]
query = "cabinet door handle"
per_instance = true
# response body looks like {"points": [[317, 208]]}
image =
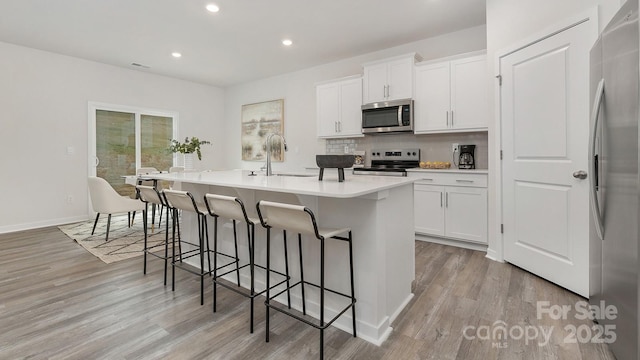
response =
{"points": [[446, 199], [425, 179], [464, 181], [447, 118], [339, 126], [451, 118], [335, 126], [440, 198]]}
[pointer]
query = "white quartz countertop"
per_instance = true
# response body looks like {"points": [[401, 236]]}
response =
{"points": [[353, 186]]}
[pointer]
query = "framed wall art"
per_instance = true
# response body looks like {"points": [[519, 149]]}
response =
{"points": [[257, 122]]}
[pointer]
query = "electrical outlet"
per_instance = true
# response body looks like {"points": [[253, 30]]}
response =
{"points": [[454, 147]]}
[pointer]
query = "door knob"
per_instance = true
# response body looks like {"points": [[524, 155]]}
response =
{"points": [[580, 174]]}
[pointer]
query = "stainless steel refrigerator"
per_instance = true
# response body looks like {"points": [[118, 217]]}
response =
{"points": [[615, 183]]}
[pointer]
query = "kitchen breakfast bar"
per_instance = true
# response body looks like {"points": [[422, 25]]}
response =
{"points": [[378, 209]]}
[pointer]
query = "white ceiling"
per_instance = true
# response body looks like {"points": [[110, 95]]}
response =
{"points": [[240, 43]]}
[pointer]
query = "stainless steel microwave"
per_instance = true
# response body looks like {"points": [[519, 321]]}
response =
{"points": [[387, 117]]}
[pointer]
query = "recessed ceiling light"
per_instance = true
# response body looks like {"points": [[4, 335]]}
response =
{"points": [[176, 54], [213, 8], [287, 42]]}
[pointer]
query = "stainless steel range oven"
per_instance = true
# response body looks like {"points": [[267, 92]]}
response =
{"points": [[391, 162]]}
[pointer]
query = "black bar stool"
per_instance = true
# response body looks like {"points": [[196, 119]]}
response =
{"points": [[151, 195], [302, 220], [232, 208], [140, 172], [182, 200]]}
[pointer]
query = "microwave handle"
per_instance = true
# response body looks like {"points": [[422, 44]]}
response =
{"points": [[400, 115]]}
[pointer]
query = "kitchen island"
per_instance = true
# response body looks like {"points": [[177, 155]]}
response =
{"points": [[379, 210]]}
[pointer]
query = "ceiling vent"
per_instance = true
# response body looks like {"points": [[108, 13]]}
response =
{"points": [[140, 65]]}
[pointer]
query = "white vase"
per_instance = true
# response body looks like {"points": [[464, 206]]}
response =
{"points": [[188, 161]]}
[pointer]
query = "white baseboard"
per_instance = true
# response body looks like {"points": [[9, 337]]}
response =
{"points": [[452, 242], [406, 302], [493, 255], [41, 224]]}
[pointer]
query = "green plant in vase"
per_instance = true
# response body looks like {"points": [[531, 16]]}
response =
{"points": [[189, 146]]}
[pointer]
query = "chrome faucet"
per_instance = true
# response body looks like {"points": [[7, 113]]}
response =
{"points": [[268, 147]]}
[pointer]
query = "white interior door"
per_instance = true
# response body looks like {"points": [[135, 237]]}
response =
{"points": [[545, 120]]}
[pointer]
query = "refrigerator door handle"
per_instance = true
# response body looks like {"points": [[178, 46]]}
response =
{"points": [[593, 158]]}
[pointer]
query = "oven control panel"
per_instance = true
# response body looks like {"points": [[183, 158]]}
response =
{"points": [[396, 154]]}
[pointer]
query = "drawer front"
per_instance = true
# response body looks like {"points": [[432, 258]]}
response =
{"points": [[455, 179]]}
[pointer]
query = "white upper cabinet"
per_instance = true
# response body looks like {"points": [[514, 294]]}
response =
{"points": [[469, 86], [338, 108], [375, 83], [451, 96], [432, 101], [389, 79]]}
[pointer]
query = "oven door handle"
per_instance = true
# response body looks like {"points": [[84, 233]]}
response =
{"points": [[379, 173]]}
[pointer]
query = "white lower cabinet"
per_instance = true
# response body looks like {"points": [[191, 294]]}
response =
{"points": [[466, 213], [451, 206], [428, 203]]}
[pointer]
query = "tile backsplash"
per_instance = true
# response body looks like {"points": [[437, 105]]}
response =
{"points": [[433, 147]]}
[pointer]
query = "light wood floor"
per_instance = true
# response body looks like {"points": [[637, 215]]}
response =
{"points": [[59, 302]]}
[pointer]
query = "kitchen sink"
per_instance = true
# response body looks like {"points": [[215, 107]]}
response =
{"points": [[296, 175], [253, 173]]}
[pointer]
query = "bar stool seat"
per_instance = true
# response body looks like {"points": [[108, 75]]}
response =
{"points": [[232, 208], [182, 200], [151, 195], [302, 220]]}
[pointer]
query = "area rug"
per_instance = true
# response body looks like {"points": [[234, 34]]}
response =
{"points": [[124, 242]]}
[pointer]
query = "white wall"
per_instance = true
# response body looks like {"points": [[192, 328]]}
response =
{"points": [[509, 22], [44, 108], [298, 90], [44, 100]]}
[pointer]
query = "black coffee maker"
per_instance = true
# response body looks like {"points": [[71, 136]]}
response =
{"points": [[467, 157]]}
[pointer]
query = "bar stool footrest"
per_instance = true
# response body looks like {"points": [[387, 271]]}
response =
{"points": [[156, 253], [289, 312], [244, 291], [190, 268]]}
